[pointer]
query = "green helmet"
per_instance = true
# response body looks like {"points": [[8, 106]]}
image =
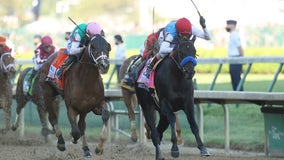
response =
{"points": [[81, 30]]}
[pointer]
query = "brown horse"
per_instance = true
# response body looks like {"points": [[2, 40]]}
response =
{"points": [[83, 92], [37, 98], [6, 72], [129, 97], [130, 100]]}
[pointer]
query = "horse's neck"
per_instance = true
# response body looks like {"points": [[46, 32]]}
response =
{"points": [[86, 68], [3, 77]]}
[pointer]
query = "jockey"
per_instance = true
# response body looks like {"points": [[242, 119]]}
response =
{"points": [[174, 32], [42, 52], [3, 46], [79, 39]]}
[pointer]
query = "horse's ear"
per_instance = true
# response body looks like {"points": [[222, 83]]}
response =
{"points": [[108, 47]]}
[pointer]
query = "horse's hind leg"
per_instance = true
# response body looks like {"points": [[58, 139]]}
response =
{"points": [[105, 118], [20, 105], [82, 127], [130, 105]]}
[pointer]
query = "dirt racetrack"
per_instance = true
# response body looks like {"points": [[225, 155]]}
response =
{"points": [[34, 148]]}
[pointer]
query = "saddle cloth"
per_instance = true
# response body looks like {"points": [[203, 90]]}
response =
{"points": [[57, 62], [27, 86], [149, 82]]}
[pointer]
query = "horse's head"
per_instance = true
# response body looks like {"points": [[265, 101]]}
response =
{"points": [[98, 50], [7, 63], [186, 56]]}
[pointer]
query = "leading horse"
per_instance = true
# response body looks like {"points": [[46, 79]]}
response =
{"points": [[36, 97], [174, 89], [7, 70], [83, 93]]}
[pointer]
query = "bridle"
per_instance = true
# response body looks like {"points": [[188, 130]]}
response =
{"points": [[92, 52], [181, 61], [4, 67]]}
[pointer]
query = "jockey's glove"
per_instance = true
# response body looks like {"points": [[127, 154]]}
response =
{"points": [[202, 22]]}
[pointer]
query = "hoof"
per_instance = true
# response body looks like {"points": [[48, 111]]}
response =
{"points": [[61, 147], [175, 154], [87, 152], [14, 128], [179, 141], [99, 152], [76, 136], [133, 139], [204, 152]]}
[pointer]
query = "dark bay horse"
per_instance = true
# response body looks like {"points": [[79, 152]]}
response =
{"points": [[174, 88], [130, 100], [37, 98], [83, 93], [7, 71]]}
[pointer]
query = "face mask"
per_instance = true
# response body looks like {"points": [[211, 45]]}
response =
{"points": [[228, 29]]}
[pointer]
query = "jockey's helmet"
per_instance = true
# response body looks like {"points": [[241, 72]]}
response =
{"points": [[93, 28], [183, 26], [2, 40], [46, 41]]}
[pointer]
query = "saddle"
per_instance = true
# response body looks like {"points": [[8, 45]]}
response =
{"points": [[55, 65], [27, 85]]}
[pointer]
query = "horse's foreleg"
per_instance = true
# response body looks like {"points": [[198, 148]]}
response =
{"points": [[19, 108], [72, 116], [6, 104], [178, 129], [82, 127], [195, 130], [103, 137], [168, 117]]}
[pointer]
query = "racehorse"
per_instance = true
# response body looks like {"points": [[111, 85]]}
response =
{"points": [[36, 97], [83, 92], [174, 91], [130, 100], [7, 70]]}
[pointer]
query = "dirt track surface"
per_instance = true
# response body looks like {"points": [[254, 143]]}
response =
{"points": [[12, 148]]}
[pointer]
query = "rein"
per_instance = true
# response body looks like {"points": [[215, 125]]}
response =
{"points": [[4, 67]]}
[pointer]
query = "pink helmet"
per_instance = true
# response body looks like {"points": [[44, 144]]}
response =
{"points": [[46, 40], [93, 28]]}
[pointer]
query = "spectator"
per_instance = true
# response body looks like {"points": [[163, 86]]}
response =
{"points": [[37, 40], [67, 35], [119, 54], [234, 50]]}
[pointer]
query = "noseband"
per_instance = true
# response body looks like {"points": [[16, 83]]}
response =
{"points": [[181, 62], [4, 67]]}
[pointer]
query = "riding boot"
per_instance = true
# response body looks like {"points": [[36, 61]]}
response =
{"points": [[30, 79], [70, 59], [130, 73], [150, 66]]}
